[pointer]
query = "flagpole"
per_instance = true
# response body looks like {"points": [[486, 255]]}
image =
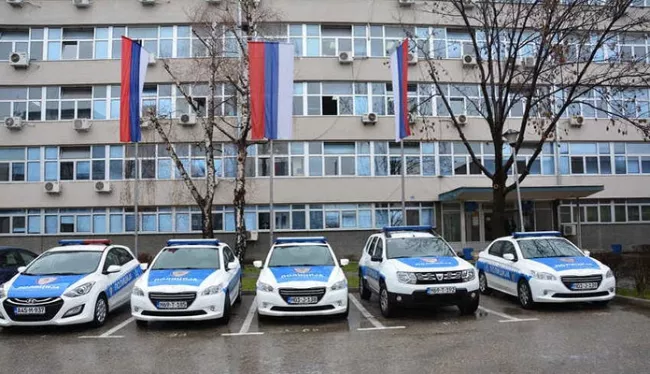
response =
{"points": [[136, 193], [401, 143], [271, 212]]}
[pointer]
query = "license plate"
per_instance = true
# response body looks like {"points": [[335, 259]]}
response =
{"points": [[584, 286], [29, 310], [441, 290], [302, 300], [172, 305]]}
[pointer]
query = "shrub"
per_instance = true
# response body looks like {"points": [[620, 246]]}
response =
{"points": [[640, 271], [145, 258], [615, 261]]}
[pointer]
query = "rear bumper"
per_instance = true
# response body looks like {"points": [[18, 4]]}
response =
{"points": [[421, 298]]}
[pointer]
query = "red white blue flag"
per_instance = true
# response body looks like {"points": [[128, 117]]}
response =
{"points": [[399, 70], [270, 75], [134, 68]]}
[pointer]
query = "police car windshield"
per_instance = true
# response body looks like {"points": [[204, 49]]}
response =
{"points": [[301, 255], [540, 248], [195, 257], [65, 263], [417, 247]]}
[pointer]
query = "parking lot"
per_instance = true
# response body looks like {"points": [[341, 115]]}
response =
{"points": [[500, 338]]}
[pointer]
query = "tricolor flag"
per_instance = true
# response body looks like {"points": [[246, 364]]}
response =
{"points": [[134, 68], [399, 70], [270, 77]]}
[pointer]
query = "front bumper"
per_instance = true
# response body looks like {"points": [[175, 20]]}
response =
{"points": [[422, 298], [202, 308], [54, 313], [272, 304], [544, 291]]}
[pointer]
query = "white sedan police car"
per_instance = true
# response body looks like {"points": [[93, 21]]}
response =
{"points": [[189, 280], [80, 281], [544, 267], [413, 266], [301, 277]]}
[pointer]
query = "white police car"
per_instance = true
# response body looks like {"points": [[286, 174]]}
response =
{"points": [[413, 266], [301, 277], [189, 280], [544, 267], [78, 282]]}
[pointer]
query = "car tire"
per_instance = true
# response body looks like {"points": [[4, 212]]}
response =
{"points": [[345, 314], [483, 284], [238, 300], [469, 307], [226, 310], [141, 324], [100, 313], [385, 305], [364, 291], [524, 295]]}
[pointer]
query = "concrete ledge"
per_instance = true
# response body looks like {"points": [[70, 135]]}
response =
{"points": [[644, 303]]}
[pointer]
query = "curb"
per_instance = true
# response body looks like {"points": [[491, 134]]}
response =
{"points": [[633, 301]]}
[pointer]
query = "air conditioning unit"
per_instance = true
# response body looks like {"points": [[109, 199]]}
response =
{"points": [[148, 2], [569, 229], [406, 3], [152, 59], [14, 123], [17, 3], [19, 59], [345, 58], [103, 187], [52, 187], [412, 119], [81, 3], [469, 61], [252, 236], [145, 124], [413, 58], [576, 121], [469, 4], [81, 124], [188, 120], [462, 120], [369, 118], [528, 62]]}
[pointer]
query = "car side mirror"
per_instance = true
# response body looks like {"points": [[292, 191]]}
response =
{"points": [[257, 264], [345, 262], [587, 253], [376, 258], [144, 267], [509, 257], [232, 265], [460, 254], [113, 269], [21, 269]]}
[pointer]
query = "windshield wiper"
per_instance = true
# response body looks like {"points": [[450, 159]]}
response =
{"points": [[62, 273]]}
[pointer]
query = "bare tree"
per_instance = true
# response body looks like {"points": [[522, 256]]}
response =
{"points": [[545, 60], [220, 33]]}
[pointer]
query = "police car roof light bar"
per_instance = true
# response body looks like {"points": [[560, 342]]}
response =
{"points": [[301, 239], [178, 242], [535, 234], [65, 242], [408, 228]]}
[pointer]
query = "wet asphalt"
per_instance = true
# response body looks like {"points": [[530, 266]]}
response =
{"points": [[500, 338]]}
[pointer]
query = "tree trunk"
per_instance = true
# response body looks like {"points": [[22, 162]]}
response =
{"points": [[206, 221], [500, 223], [240, 200]]}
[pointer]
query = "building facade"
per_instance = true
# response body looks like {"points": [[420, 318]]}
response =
{"points": [[338, 177]]}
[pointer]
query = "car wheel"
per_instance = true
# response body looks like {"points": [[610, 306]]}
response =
{"points": [[483, 284], [469, 307], [141, 324], [524, 295], [345, 314], [101, 311], [385, 305], [238, 299], [364, 291], [226, 310]]}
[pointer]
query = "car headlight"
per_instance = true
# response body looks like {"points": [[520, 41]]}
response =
{"points": [[340, 285], [261, 286], [543, 276], [468, 275], [212, 290], [81, 290], [406, 277], [609, 274], [137, 291]]}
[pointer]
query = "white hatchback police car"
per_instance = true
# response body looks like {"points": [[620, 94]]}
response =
{"points": [[80, 281], [189, 280], [413, 266], [544, 267], [301, 277]]}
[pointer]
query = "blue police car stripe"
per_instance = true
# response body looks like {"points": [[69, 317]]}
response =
{"points": [[124, 281], [429, 262], [302, 273], [370, 272], [36, 286], [567, 263], [233, 282], [501, 272], [179, 277]]}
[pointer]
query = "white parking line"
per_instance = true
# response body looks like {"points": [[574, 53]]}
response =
{"points": [[508, 317], [364, 312], [247, 322], [109, 334]]}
